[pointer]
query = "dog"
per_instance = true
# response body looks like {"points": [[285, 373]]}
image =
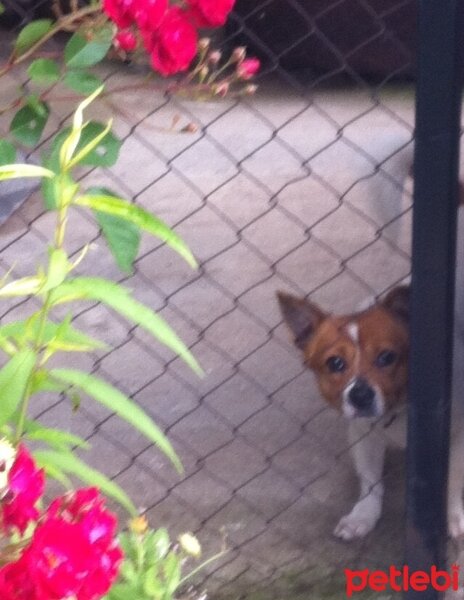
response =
{"points": [[360, 361]]}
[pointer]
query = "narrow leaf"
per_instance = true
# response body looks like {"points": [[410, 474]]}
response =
{"points": [[69, 463], [88, 148], [53, 437], [69, 145], [26, 286], [139, 217], [31, 34], [17, 171], [55, 473], [42, 382], [13, 381], [120, 300], [58, 268], [120, 404], [60, 336], [103, 155]]}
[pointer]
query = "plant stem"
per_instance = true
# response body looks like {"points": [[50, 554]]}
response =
{"points": [[201, 567], [44, 311]]}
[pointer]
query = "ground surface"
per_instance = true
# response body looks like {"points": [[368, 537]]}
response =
{"points": [[279, 191]]}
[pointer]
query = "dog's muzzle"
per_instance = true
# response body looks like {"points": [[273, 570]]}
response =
{"points": [[360, 399]]}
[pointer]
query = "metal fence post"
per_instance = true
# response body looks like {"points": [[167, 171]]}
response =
{"points": [[438, 108]]}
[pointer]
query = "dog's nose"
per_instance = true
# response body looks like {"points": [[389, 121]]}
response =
{"points": [[361, 395]]}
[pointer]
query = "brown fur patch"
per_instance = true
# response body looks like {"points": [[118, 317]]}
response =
{"points": [[379, 331]]}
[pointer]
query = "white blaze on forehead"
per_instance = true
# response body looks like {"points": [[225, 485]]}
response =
{"points": [[352, 330]]}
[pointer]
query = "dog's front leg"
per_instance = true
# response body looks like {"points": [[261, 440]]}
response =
{"points": [[368, 450]]}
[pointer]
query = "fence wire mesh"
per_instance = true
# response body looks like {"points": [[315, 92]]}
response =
{"points": [[300, 188]]}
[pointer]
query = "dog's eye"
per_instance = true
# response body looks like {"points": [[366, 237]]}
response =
{"points": [[386, 358], [335, 364]]}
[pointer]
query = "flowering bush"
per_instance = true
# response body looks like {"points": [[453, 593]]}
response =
{"points": [[164, 30], [71, 550], [168, 33], [68, 550]]}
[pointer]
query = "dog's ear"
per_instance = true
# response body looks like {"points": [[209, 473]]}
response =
{"points": [[301, 316], [397, 302]]}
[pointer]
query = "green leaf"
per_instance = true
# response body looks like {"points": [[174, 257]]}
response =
{"points": [[26, 286], [105, 154], [69, 463], [80, 155], [153, 587], [42, 382], [51, 187], [53, 437], [44, 71], [2, 9], [55, 473], [69, 145], [29, 122], [58, 268], [123, 591], [122, 237], [7, 153], [14, 377], [80, 53], [58, 336], [120, 300], [82, 82], [120, 404], [31, 34], [172, 572], [161, 543], [139, 217], [17, 171]]}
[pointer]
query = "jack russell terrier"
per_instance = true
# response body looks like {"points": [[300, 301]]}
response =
{"points": [[360, 361]]}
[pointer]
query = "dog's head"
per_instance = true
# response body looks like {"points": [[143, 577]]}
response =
{"points": [[360, 360]]}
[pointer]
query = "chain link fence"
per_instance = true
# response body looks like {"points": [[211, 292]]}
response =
{"points": [[298, 188]]}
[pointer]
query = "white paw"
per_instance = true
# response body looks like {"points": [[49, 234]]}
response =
{"points": [[352, 526], [456, 523]]}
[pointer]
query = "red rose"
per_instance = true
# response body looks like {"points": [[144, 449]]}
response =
{"points": [[125, 40], [59, 560], [148, 14], [210, 13], [73, 553], [15, 583], [119, 11], [24, 488], [174, 45], [248, 68]]}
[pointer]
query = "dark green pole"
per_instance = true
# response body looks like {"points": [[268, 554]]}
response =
{"points": [[438, 108]]}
